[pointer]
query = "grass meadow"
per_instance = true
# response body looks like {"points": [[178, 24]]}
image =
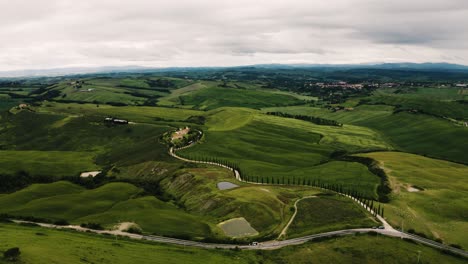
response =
{"points": [[41, 246], [440, 208]]}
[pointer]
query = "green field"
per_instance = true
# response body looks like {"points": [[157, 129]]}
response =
{"points": [[283, 148], [432, 101], [359, 113], [40, 245], [215, 97], [52, 163], [107, 205], [326, 213], [127, 91], [63, 132], [440, 209], [143, 114], [410, 132], [424, 135], [266, 208]]}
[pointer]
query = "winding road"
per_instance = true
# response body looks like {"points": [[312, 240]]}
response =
{"points": [[387, 230]]}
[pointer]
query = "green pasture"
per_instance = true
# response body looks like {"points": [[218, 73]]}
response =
{"points": [[215, 97], [40, 246], [143, 114], [107, 205], [426, 102], [440, 209], [410, 132], [326, 213], [359, 113], [424, 135], [48, 163]]}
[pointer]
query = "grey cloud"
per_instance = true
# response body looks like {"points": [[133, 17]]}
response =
{"points": [[48, 33]]}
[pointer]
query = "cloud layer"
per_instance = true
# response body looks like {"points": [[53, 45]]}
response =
{"points": [[63, 33]]}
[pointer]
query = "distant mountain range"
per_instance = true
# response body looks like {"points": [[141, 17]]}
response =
{"points": [[135, 69]]}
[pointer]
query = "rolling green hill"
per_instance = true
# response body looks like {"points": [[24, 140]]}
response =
{"points": [[215, 97], [107, 205], [284, 148], [52, 163], [328, 212], [429, 195]]}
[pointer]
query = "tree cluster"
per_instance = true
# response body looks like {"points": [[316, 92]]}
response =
{"points": [[312, 119]]}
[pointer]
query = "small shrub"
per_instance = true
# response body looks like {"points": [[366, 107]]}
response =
{"points": [[456, 246], [134, 230], [91, 225], [61, 222], [12, 254], [29, 224]]}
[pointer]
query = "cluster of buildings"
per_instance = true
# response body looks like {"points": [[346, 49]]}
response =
{"points": [[343, 85], [358, 86]]}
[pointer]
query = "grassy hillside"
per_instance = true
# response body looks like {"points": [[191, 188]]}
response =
{"points": [[215, 97], [416, 133], [284, 148], [430, 102], [121, 91], [143, 114], [107, 205], [423, 134], [440, 208], [51, 163], [111, 145], [325, 213], [39, 245], [359, 113], [266, 208]]}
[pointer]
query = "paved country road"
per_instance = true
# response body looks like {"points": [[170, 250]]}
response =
{"points": [[387, 230], [268, 245]]}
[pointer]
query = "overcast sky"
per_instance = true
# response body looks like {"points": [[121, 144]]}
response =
{"points": [[37, 34]]}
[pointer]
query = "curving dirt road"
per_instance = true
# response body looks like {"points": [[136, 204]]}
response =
{"points": [[285, 229]]}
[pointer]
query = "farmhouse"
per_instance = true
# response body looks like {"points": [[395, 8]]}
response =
{"points": [[180, 133]]}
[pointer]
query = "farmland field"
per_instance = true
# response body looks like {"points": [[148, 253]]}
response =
{"points": [[39, 245], [54, 163], [439, 209], [289, 135], [325, 213]]}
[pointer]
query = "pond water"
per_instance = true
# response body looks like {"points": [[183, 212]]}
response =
{"points": [[226, 185], [237, 227]]}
